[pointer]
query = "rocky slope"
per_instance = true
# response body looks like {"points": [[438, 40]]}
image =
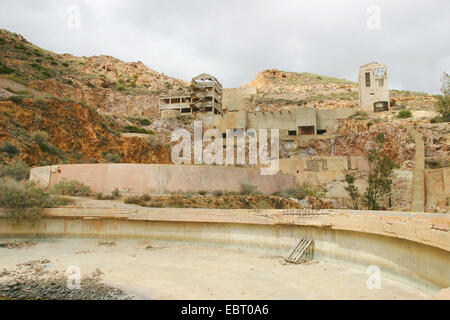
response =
{"points": [[102, 82], [281, 90], [51, 131]]}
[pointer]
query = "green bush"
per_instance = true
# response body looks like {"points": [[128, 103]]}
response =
{"points": [[5, 69], [9, 148], [19, 170], [134, 129], [40, 137], [144, 122], [404, 114], [112, 158], [71, 188], [440, 119], [140, 201], [294, 192], [135, 200], [24, 199], [16, 99], [305, 190], [218, 193], [248, 190], [57, 201]]}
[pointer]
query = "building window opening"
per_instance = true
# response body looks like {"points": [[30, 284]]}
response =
{"points": [[367, 79], [292, 133], [321, 131], [307, 130]]}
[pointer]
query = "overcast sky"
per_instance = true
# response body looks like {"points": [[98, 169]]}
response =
{"points": [[234, 40]]}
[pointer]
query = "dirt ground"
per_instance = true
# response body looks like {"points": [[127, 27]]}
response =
{"points": [[159, 270]]}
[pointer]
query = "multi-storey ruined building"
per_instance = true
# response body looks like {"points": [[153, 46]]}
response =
{"points": [[206, 97], [374, 87]]}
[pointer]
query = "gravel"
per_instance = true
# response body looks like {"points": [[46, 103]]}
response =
{"points": [[33, 281]]}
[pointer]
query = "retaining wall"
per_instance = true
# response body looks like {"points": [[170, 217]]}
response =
{"points": [[143, 178]]}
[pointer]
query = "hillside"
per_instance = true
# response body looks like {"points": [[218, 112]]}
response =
{"points": [[84, 105], [282, 90], [102, 82], [54, 131]]}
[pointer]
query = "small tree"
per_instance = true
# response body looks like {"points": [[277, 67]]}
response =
{"points": [[443, 104], [381, 168], [352, 189]]}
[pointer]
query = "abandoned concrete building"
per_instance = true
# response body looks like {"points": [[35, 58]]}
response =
{"points": [[301, 122], [374, 87], [206, 97], [223, 109]]}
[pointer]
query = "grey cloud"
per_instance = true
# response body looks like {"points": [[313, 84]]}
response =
{"points": [[236, 39]]}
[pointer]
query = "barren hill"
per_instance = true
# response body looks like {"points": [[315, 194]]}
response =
{"points": [[282, 90], [102, 82]]}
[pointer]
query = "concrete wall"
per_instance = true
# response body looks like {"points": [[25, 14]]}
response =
{"points": [[285, 121], [412, 248], [321, 169], [437, 187], [143, 178], [234, 98]]}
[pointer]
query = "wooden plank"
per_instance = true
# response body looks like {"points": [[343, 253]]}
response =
{"points": [[301, 248]]}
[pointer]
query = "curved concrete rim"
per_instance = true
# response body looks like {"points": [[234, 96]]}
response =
{"points": [[412, 248]]}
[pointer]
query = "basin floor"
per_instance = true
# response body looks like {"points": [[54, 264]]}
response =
{"points": [[160, 270]]}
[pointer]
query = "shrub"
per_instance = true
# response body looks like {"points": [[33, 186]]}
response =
{"points": [[155, 204], [5, 69], [144, 122], [134, 129], [135, 200], [294, 192], [16, 99], [40, 137], [404, 114], [19, 170], [116, 193], [24, 199], [248, 189], [9, 148], [218, 193], [60, 201], [202, 193], [440, 119], [381, 168], [352, 189], [71, 188], [443, 104], [140, 201], [112, 158]]}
